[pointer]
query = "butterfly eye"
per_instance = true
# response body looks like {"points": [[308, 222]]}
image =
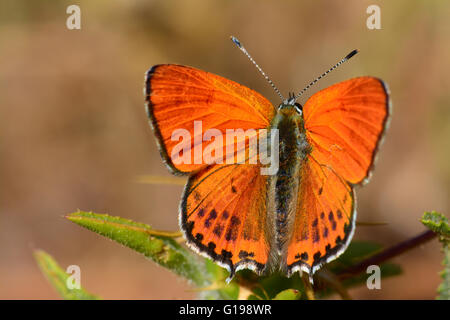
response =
{"points": [[298, 107]]}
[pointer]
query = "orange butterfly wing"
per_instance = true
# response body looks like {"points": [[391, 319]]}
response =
{"points": [[223, 211], [223, 215], [345, 123], [344, 126], [177, 96], [324, 220]]}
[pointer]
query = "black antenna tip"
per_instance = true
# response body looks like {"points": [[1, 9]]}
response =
{"points": [[236, 41], [351, 54]]}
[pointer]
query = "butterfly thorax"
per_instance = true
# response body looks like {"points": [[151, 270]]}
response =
{"points": [[293, 149]]}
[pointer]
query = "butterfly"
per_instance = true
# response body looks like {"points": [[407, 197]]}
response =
{"points": [[296, 219]]}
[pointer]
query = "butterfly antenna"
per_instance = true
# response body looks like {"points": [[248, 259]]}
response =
{"points": [[241, 47], [351, 54]]}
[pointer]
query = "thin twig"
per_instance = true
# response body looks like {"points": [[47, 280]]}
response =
{"points": [[308, 287], [387, 254]]}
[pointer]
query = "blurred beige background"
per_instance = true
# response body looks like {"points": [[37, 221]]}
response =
{"points": [[74, 133]]}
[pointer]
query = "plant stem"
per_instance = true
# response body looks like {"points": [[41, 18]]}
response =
{"points": [[386, 254], [308, 287]]}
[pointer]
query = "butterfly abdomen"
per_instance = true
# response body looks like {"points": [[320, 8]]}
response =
{"points": [[293, 148]]}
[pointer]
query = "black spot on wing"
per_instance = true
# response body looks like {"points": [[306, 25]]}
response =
{"points": [[304, 256], [315, 231], [316, 256], [226, 255], [315, 235], [347, 228], [232, 229], [211, 217], [218, 229], [330, 216], [244, 254], [211, 246], [332, 221], [196, 195], [199, 237], [304, 234]]}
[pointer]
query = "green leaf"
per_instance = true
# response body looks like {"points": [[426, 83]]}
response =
{"points": [[58, 278], [219, 288], [140, 237], [438, 223], [229, 291], [289, 294]]}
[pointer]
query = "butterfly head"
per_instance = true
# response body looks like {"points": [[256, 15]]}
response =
{"points": [[289, 105]]}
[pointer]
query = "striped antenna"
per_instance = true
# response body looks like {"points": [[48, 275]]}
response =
{"points": [[241, 47], [351, 54]]}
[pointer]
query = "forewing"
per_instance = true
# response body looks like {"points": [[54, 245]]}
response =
{"points": [[345, 123], [223, 216], [177, 96]]}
